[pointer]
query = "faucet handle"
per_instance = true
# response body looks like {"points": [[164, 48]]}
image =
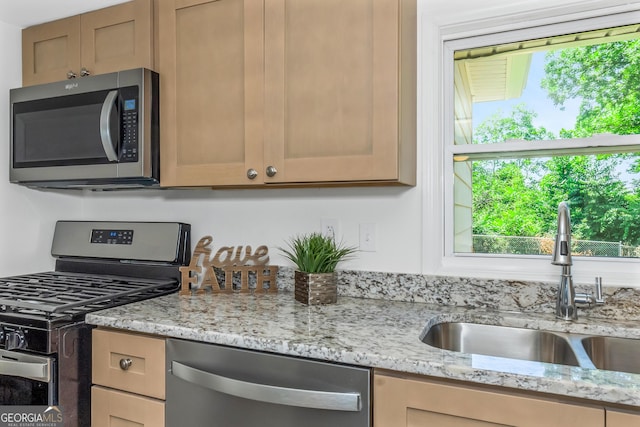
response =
{"points": [[599, 299], [588, 299]]}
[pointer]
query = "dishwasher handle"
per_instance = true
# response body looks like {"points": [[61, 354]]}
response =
{"points": [[314, 399]]}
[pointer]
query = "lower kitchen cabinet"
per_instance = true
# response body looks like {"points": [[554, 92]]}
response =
{"points": [[411, 400], [622, 419], [128, 372], [113, 408]]}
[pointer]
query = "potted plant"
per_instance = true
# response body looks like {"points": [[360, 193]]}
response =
{"points": [[316, 257]]}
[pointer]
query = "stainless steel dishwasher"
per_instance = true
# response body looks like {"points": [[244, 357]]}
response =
{"points": [[213, 385]]}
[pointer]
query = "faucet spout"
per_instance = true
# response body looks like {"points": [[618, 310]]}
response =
{"points": [[562, 247], [565, 299]]}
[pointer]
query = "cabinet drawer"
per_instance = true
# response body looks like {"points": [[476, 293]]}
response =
{"points": [[112, 408], [144, 356]]}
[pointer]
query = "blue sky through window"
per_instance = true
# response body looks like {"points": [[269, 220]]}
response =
{"points": [[535, 98]]}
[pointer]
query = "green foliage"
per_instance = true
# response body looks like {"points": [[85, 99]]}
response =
{"points": [[605, 78], [315, 253], [517, 126], [504, 204], [520, 197], [506, 197]]}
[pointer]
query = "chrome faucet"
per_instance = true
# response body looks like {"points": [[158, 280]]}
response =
{"points": [[567, 299]]}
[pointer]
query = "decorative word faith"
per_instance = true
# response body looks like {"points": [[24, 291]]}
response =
{"points": [[200, 275]]}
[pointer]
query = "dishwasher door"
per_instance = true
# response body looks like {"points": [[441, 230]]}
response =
{"points": [[213, 385]]}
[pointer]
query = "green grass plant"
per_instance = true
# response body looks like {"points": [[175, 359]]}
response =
{"points": [[315, 253]]}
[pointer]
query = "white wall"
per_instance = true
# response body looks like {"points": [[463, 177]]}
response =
{"points": [[232, 217], [27, 217], [269, 216]]}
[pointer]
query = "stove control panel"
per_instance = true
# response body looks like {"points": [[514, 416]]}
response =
{"points": [[36, 340], [112, 237]]}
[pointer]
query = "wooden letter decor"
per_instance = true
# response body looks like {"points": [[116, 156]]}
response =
{"points": [[200, 274]]}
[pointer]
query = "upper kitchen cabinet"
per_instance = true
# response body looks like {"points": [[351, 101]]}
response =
{"points": [[340, 90], [116, 38], [287, 92], [211, 67]]}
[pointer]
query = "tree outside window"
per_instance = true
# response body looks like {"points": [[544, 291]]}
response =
{"points": [[542, 121]]}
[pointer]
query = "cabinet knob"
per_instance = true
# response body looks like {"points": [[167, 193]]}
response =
{"points": [[71, 74], [84, 72], [271, 171], [252, 173], [125, 364]]}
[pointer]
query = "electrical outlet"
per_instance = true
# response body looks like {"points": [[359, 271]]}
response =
{"points": [[330, 227], [368, 237]]}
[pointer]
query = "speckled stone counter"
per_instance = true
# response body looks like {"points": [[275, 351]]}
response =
{"points": [[375, 333]]}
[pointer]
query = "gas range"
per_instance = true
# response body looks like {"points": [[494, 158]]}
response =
{"points": [[45, 346], [33, 305]]}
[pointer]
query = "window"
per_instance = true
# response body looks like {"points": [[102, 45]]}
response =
{"points": [[539, 120]]}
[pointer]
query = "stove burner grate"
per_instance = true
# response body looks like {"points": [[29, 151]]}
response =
{"points": [[53, 293]]}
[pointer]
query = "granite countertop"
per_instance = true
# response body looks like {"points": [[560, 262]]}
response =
{"points": [[374, 333]]}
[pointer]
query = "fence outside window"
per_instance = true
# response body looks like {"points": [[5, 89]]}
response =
{"points": [[544, 246]]}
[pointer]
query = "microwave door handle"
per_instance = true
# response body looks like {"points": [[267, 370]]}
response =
{"points": [[105, 128]]}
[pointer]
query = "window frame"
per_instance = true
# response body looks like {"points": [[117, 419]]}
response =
{"points": [[438, 177]]}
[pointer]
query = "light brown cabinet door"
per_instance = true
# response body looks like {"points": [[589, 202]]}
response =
{"points": [[340, 90], [403, 401], [210, 62], [116, 38], [317, 91], [622, 419], [129, 362], [112, 408], [50, 51]]}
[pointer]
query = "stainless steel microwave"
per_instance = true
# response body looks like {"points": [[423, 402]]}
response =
{"points": [[98, 132]]}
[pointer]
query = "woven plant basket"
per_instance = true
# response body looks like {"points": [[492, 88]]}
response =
{"points": [[315, 288]]}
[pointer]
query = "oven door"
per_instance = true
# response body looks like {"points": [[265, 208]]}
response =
{"points": [[27, 379]]}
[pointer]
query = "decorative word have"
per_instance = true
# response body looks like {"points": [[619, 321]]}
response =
{"points": [[200, 274]]}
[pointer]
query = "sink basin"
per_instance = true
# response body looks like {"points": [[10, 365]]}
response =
{"points": [[613, 354], [501, 341]]}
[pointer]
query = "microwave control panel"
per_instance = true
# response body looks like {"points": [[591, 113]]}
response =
{"points": [[129, 121]]}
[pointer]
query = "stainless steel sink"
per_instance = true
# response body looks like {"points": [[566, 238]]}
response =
{"points": [[613, 354], [502, 341]]}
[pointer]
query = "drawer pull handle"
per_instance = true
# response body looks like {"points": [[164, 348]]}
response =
{"points": [[125, 364]]}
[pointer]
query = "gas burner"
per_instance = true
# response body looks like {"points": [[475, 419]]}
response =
{"points": [[72, 293]]}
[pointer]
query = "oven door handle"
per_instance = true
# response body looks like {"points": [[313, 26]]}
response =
{"points": [[25, 366], [105, 128], [314, 399]]}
